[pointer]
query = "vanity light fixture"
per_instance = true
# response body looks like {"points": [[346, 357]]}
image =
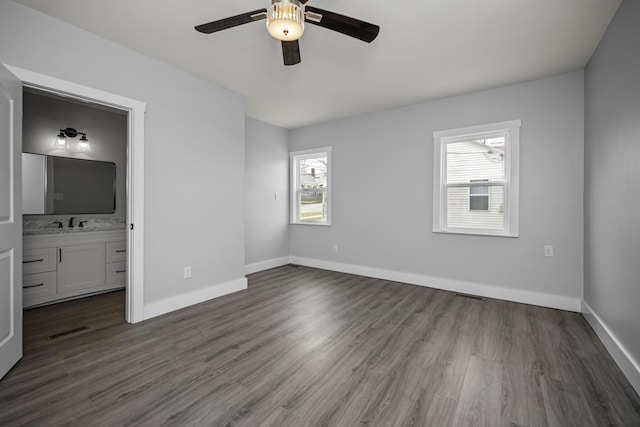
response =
{"points": [[61, 140]]}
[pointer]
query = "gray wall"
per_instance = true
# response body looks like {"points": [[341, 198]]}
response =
{"points": [[612, 179], [194, 150], [382, 190], [266, 174], [43, 117]]}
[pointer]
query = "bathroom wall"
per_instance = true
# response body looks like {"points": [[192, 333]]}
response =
{"points": [[43, 117]]}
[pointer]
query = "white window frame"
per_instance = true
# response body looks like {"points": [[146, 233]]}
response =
{"points": [[487, 195], [294, 156], [511, 131]]}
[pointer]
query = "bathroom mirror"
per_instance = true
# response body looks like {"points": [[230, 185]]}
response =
{"points": [[62, 185]]}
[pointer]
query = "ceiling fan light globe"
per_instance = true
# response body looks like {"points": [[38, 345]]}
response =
{"points": [[285, 30], [285, 21]]}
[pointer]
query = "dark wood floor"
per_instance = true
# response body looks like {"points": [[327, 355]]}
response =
{"points": [[312, 347]]}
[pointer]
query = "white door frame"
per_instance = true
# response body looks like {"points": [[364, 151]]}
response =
{"points": [[135, 173]]}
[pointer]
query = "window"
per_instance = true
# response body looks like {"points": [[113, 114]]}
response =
{"points": [[476, 180], [479, 196], [310, 186]]}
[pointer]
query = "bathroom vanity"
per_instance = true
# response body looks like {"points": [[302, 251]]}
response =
{"points": [[70, 263]]}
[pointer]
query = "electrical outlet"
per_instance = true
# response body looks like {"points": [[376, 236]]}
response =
{"points": [[335, 248], [187, 272], [548, 250]]}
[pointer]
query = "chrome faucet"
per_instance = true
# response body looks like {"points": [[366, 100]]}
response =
{"points": [[71, 221], [59, 223], [81, 224]]}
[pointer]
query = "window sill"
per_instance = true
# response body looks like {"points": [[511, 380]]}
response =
{"points": [[472, 232], [316, 224]]}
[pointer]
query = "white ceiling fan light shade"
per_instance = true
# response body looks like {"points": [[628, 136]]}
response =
{"points": [[285, 20]]}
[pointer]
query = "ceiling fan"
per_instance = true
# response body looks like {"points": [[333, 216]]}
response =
{"points": [[285, 22]]}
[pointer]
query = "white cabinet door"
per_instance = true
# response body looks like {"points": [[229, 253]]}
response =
{"points": [[80, 267]]}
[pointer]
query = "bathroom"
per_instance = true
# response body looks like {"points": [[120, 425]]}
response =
{"points": [[73, 245]]}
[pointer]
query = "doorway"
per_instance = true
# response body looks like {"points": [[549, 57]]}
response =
{"points": [[135, 172]]}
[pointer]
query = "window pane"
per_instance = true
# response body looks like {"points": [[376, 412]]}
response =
{"points": [[479, 212], [481, 190], [312, 172], [480, 159], [313, 205], [479, 203], [312, 179]]}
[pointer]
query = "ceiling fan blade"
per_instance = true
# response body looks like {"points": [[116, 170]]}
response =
{"points": [[232, 21], [303, 1], [343, 24], [291, 52]]}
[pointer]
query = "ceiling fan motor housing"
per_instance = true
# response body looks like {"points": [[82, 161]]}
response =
{"points": [[285, 20]]}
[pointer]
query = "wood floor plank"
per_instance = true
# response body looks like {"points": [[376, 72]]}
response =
{"points": [[479, 402], [454, 338], [306, 347], [428, 409], [566, 405], [522, 397]]}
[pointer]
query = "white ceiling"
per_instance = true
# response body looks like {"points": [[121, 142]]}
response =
{"points": [[426, 49]]}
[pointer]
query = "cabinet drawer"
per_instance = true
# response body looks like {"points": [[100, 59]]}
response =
{"points": [[38, 260], [117, 273], [116, 251], [38, 285]]}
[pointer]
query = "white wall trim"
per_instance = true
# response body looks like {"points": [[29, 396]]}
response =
{"points": [[176, 302], [135, 172], [516, 295], [266, 265], [629, 366]]}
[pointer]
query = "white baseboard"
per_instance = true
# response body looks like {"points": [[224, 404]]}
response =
{"points": [[177, 302], [628, 365], [265, 265], [516, 295]]}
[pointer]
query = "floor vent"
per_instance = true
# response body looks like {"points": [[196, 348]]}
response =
{"points": [[69, 332], [470, 296]]}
